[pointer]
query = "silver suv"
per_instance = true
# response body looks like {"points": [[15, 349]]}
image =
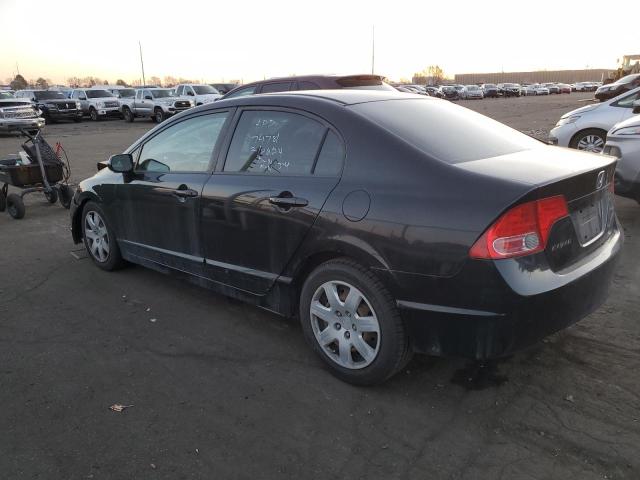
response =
{"points": [[97, 103], [16, 114], [155, 103]]}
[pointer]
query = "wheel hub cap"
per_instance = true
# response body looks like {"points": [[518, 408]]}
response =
{"points": [[345, 325], [97, 237], [591, 143]]}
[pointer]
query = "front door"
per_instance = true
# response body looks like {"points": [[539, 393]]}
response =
{"points": [[278, 171], [160, 203]]}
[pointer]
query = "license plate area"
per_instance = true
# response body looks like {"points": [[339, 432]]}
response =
{"points": [[589, 217]]}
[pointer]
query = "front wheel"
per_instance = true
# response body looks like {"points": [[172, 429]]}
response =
{"points": [[99, 238], [15, 206], [159, 115], [352, 322], [589, 140], [128, 115], [93, 113]]}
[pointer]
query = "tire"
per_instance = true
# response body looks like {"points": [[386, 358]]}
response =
{"points": [[15, 206], [77, 119], [65, 195], [590, 140], [108, 258], [128, 115], [384, 352], [52, 196], [159, 115], [93, 113], [3, 201]]}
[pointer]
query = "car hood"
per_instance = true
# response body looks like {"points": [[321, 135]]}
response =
{"points": [[581, 110], [629, 122]]}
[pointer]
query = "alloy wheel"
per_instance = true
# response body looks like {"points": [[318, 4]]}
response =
{"points": [[345, 325], [591, 143], [95, 231]]}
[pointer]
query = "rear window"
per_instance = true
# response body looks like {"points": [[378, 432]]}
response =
{"points": [[364, 82], [447, 132]]}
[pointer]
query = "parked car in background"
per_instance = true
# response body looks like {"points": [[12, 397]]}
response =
{"points": [[552, 87], [97, 103], [311, 82], [224, 88], [450, 92], [623, 142], [54, 105], [434, 92], [510, 90], [526, 90], [586, 128], [18, 114], [424, 261], [585, 87], [490, 90], [125, 95], [462, 91], [614, 89], [199, 93], [564, 88], [158, 104], [474, 92], [65, 90], [540, 89]]}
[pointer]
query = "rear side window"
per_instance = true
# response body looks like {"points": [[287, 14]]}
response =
{"points": [[276, 87], [308, 86], [274, 143], [447, 132], [243, 92], [331, 156]]}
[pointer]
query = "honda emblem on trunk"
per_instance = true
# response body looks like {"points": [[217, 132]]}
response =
{"points": [[600, 180]]}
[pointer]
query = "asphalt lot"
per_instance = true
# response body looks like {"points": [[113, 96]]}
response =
{"points": [[223, 390]]}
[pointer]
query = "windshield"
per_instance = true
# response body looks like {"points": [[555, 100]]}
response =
{"points": [[5, 95], [161, 93], [205, 90], [447, 123], [49, 95], [472, 87], [489, 85], [126, 92], [629, 78], [98, 94]]}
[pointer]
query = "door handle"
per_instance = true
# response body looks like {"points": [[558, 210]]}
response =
{"points": [[288, 201], [184, 193]]}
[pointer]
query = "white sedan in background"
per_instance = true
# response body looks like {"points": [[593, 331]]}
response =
{"points": [[586, 128], [623, 142]]}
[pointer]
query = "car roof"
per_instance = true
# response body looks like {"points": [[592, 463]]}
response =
{"points": [[340, 96]]}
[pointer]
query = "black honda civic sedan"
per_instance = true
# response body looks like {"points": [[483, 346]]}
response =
{"points": [[388, 223]]}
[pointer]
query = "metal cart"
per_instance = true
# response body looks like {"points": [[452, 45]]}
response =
{"points": [[44, 172]]}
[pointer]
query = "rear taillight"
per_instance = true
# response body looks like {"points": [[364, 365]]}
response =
{"points": [[523, 230]]}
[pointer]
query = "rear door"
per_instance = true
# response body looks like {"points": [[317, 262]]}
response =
{"points": [[158, 206], [271, 183]]}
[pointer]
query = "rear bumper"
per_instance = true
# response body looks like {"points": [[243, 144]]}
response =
{"points": [[523, 306]]}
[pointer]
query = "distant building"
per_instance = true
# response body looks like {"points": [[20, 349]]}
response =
{"points": [[544, 76]]}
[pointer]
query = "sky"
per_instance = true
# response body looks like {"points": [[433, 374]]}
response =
{"points": [[215, 41]]}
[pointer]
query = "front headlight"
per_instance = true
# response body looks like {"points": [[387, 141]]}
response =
{"points": [[628, 131], [192, 103], [100, 104], [78, 105], [567, 121]]}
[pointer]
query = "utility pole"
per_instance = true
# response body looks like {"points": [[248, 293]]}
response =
{"points": [[144, 81], [373, 49]]}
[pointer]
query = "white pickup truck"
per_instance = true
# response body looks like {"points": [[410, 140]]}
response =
{"points": [[197, 92], [157, 104]]}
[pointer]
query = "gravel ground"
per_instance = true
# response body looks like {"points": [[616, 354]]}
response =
{"points": [[223, 390]]}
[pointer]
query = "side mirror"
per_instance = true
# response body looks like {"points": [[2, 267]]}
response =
{"points": [[148, 97], [121, 163], [636, 106]]}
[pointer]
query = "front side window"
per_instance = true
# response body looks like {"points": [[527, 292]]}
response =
{"points": [[205, 90], [184, 147], [274, 143], [243, 92], [627, 102]]}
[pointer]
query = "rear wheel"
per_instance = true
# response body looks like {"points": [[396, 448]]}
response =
{"points": [[3, 201], [353, 324], [589, 140], [15, 206], [99, 238]]}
